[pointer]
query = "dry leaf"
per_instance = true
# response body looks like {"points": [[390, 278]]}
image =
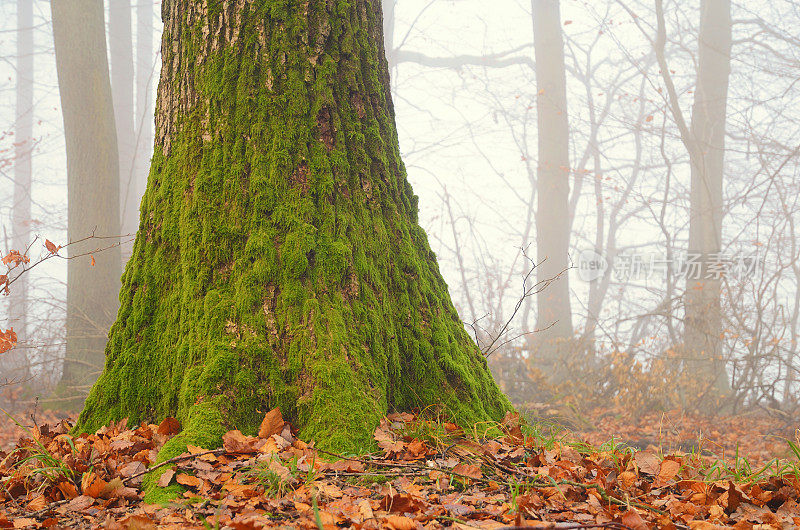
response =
{"points": [[166, 478], [272, 424]]}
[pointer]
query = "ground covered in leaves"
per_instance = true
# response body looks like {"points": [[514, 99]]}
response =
{"points": [[428, 473]]}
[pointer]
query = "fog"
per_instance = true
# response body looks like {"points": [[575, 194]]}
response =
{"points": [[664, 277]]}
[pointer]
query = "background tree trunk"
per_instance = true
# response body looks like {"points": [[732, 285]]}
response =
{"points": [[554, 319], [16, 362], [703, 323], [144, 105], [120, 37], [93, 184], [280, 261]]}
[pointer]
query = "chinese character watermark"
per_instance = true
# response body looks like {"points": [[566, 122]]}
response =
{"points": [[593, 266]]}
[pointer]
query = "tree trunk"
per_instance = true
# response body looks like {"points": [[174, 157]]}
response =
{"points": [[93, 187], [144, 105], [15, 362], [279, 260], [122, 83], [554, 320], [703, 323]]}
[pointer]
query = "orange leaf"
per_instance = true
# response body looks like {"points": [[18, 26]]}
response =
{"points": [[272, 424], [398, 522], [236, 442], [567, 22], [189, 480], [634, 520], [648, 463], [649, 118], [469, 470], [8, 339], [93, 262], [169, 426], [92, 485], [669, 468], [50, 246]]}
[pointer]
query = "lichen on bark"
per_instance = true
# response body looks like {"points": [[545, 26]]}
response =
{"points": [[279, 261]]}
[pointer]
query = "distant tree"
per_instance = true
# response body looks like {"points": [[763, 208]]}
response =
{"points": [[93, 185], [15, 362], [120, 38], [704, 140], [145, 71], [554, 318], [703, 324]]}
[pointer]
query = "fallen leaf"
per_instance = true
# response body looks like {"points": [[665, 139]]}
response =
{"points": [[92, 485], [667, 472], [236, 442], [632, 518], [469, 470], [398, 522], [166, 478], [169, 427], [648, 463], [188, 480], [271, 424]]}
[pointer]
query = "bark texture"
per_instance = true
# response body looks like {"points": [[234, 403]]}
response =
{"points": [[93, 187], [279, 261], [554, 318], [703, 323]]}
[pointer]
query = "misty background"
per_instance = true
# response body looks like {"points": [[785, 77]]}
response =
{"points": [[602, 323]]}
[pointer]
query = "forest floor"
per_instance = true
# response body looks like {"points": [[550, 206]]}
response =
{"points": [[663, 470]]}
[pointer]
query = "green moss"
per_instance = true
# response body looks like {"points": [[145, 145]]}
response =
{"points": [[279, 261]]}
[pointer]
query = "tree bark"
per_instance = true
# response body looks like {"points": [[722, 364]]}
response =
{"points": [[15, 361], [93, 187], [703, 323], [554, 318], [120, 37], [279, 262]]}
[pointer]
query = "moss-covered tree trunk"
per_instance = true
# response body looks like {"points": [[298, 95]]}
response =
{"points": [[279, 261]]}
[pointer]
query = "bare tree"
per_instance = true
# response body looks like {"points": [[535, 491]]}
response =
{"points": [[145, 73], [93, 185], [554, 319], [122, 83], [15, 362]]}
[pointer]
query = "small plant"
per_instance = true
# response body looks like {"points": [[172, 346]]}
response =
{"points": [[40, 466]]}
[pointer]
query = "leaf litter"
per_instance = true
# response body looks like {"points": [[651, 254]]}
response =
{"points": [[428, 473]]}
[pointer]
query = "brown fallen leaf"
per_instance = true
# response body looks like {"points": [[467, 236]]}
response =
{"points": [[37, 503], [399, 522], [79, 504], [271, 424], [92, 485], [68, 489], [188, 480], [166, 478], [236, 442], [169, 426], [634, 520], [648, 463], [668, 470], [469, 470]]}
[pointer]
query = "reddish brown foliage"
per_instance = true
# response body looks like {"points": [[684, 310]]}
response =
{"points": [[429, 474]]}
